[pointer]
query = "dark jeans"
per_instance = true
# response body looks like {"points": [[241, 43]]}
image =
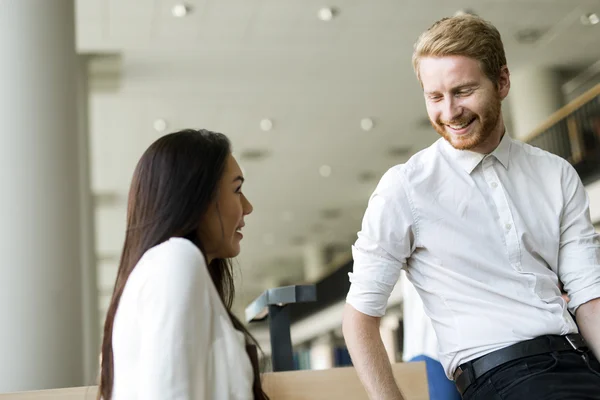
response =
{"points": [[567, 375]]}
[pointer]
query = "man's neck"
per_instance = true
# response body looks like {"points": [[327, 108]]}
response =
{"points": [[493, 141]]}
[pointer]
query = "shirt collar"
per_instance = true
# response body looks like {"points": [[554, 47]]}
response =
{"points": [[502, 152], [468, 160]]}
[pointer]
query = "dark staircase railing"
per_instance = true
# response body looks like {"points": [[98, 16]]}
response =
{"points": [[275, 304], [573, 133]]}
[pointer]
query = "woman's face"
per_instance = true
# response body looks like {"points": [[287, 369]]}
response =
{"points": [[220, 229]]}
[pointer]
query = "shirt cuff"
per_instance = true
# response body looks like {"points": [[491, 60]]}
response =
{"points": [[583, 296], [370, 297]]}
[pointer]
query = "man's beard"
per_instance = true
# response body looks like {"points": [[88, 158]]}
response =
{"points": [[486, 122]]}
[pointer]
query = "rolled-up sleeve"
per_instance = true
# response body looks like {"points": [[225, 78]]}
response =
{"points": [[386, 240], [579, 254]]}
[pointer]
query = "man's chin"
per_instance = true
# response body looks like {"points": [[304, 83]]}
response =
{"points": [[459, 142], [465, 142]]}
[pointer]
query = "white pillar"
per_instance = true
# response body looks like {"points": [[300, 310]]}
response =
{"points": [[314, 262], [321, 353], [535, 93], [40, 276], [89, 282]]}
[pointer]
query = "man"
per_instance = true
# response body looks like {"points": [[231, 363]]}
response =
{"points": [[484, 227], [420, 344]]}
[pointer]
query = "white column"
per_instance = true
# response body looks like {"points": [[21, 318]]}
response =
{"points": [[535, 93], [40, 275], [89, 282], [314, 262], [321, 353]]}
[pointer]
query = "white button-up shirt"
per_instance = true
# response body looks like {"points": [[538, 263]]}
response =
{"points": [[484, 239]]}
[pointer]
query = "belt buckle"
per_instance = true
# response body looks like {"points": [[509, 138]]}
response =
{"points": [[457, 373], [576, 341], [463, 378]]}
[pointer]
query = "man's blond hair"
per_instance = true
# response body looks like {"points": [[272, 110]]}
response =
{"points": [[464, 35]]}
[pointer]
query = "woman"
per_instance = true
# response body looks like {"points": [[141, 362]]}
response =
{"points": [[169, 333]]}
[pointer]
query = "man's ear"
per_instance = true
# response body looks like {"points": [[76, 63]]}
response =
{"points": [[503, 82]]}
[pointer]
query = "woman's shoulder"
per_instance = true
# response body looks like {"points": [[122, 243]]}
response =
{"points": [[175, 252], [176, 262], [176, 246]]}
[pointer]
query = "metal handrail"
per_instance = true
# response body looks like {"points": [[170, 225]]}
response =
{"points": [[275, 304]]}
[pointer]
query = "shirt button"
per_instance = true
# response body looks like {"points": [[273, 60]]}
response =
{"points": [[494, 185], [508, 226]]}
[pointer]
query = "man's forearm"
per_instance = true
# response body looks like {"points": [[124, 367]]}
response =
{"points": [[369, 357], [588, 319]]}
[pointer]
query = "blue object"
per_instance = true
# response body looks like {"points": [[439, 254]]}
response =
{"points": [[440, 387]]}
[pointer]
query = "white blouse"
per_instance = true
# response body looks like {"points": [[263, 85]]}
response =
{"points": [[172, 336]]}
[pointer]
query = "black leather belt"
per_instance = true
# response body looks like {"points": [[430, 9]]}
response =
{"points": [[468, 372]]}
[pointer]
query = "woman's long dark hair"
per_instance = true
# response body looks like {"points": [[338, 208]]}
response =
{"points": [[173, 186]]}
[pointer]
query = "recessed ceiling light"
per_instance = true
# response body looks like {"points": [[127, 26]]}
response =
{"points": [[325, 171], [160, 125], [266, 124], [326, 14], [366, 124], [181, 10], [590, 19]]}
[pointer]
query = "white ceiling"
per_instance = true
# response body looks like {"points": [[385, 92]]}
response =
{"points": [[231, 63]]}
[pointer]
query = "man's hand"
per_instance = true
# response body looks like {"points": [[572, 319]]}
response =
{"points": [[369, 357], [588, 320], [564, 294]]}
